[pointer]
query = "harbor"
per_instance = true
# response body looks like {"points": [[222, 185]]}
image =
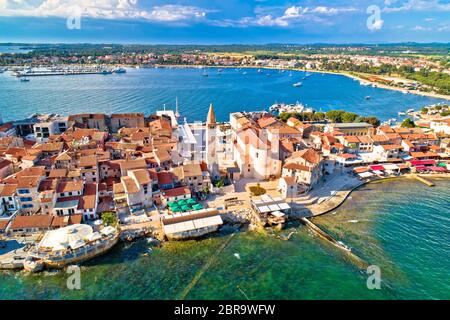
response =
{"points": [[65, 71]]}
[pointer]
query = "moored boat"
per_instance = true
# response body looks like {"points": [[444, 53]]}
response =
{"points": [[120, 70]]}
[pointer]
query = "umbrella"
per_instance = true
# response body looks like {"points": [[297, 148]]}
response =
{"points": [[197, 206], [176, 209], [172, 203], [182, 202], [191, 201], [185, 208]]}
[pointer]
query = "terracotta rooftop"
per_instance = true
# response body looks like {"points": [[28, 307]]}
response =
{"points": [[34, 221]]}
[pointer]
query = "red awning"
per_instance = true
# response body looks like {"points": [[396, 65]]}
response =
{"points": [[423, 162], [377, 168], [438, 169], [420, 167]]}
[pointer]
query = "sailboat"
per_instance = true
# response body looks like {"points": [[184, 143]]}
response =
{"points": [[205, 74]]}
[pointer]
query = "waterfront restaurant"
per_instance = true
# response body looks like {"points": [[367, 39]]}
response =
{"points": [[191, 224]]}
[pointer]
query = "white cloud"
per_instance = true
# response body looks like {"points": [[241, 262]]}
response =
{"points": [[290, 16], [421, 28], [444, 28], [418, 5], [106, 9]]}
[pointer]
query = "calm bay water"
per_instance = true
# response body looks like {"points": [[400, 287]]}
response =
{"points": [[401, 226], [147, 90]]}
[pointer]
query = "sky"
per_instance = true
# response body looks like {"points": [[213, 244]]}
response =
{"points": [[224, 21]]}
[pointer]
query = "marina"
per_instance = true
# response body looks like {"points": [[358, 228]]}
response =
{"points": [[64, 71]]}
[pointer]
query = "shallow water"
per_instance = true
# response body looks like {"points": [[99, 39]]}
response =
{"points": [[402, 226]]}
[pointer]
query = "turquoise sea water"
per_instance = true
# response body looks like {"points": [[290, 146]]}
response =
{"points": [[147, 90], [402, 226]]}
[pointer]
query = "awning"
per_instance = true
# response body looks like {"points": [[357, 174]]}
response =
{"points": [[437, 169], [423, 162], [377, 168], [365, 174], [390, 167]]}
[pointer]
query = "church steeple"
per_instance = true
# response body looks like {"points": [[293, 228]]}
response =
{"points": [[211, 119]]}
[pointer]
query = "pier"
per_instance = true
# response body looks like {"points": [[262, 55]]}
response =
{"points": [[423, 180], [360, 263]]}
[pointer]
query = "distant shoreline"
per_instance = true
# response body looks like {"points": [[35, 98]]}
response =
{"points": [[342, 73]]}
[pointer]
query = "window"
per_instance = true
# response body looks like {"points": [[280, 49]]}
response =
{"points": [[23, 191], [26, 199]]}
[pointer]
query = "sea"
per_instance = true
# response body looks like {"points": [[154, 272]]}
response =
{"points": [[401, 228], [230, 90]]}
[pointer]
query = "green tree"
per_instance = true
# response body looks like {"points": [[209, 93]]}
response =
{"points": [[335, 115], [349, 117], [408, 123], [371, 120], [109, 218], [319, 116]]}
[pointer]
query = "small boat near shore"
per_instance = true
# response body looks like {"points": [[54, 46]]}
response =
{"points": [[297, 84], [120, 70]]}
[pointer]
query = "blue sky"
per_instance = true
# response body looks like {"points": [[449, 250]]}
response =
{"points": [[225, 21]]}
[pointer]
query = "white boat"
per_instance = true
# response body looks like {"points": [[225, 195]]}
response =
{"points": [[410, 110], [120, 70], [282, 107], [24, 79], [401, 114], [368, 97], [244, 73], [2, 70], [205, 74], [297, 84]]}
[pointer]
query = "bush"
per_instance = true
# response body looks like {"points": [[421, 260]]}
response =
{"points": [[408, 123], [109, 218]]}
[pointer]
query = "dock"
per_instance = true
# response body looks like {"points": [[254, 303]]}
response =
{"points": [[423, 180]]}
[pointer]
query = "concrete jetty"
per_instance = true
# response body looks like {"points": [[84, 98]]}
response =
{"points": [[360, 263], [423, 180]]}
